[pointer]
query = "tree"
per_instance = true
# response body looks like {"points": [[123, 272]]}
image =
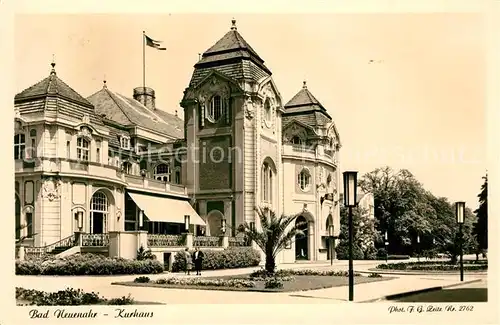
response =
{"points": [[274, 234], [481, 227], [364, 232]]}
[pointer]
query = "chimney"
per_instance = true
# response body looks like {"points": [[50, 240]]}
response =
{"points": [[145, 96]]}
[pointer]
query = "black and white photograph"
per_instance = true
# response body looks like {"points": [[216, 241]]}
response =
{"points": [[186, 158]]}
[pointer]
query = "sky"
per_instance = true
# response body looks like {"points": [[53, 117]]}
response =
{"points": [[404, 90]]}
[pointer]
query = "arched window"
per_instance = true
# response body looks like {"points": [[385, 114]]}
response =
{"points": [[267, 110], [216, 108], [99, 213], [19, 146], [267, 183], [297, 140], [82, 149], [162, 173], [304, 179]]}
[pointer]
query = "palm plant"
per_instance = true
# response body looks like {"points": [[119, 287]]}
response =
{"points": [[22, 238], [274, 234]]}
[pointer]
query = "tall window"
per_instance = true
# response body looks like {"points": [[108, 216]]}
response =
{"points": [[29, 223], [304, 179], [68, 150], [99, 213], [125, 143], [98, 151], [216, 108], [267, 110], [267, 183], [19, 146], [82, 149], [162, 173]]}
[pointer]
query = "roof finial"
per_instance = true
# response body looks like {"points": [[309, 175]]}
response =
{"points": [[199, 56], [104, 82], [53, 64], [176, 113], [305, 85], [233, 27]]}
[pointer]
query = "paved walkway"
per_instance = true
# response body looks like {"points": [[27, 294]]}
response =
{"points": [[362, 292]]}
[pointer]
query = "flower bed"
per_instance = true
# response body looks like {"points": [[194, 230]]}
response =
{"points": [[68, 297], [229, 258], [243, 282], [300, 272], [235, 283], [87, 264], [434, 266]]}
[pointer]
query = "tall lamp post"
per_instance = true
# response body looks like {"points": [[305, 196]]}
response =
{"points": [[386, 247], [460, 213], [331, 234], [350, 187]]}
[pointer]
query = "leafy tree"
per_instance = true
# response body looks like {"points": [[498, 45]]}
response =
{"points": [[144, 254], [274, 234], [406, 210], [364, 232], [481, 227]]}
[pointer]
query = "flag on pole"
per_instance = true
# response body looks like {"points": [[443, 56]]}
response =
{"points": [[155, 44]]}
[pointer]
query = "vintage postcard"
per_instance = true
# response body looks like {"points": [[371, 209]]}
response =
{"points": [[224, 167]]}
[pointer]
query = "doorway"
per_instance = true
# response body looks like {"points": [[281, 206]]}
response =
{"points": [[302, 241]]}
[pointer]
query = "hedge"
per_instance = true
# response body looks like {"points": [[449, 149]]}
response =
{"points": [[68, 297], [433, 266], [343, 251], [229, 258], [87, 264]]}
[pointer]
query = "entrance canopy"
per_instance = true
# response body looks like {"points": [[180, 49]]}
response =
{"points": [[163, 209]]}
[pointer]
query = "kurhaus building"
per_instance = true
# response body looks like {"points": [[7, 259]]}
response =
{"points": [[109, 173]]}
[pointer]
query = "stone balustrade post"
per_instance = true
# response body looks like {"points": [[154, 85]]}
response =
{"points": [[225, 241], [189, 240]]}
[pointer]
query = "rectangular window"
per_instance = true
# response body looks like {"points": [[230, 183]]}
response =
{"points": [[33, 148], [98, 155], [178, 177], [68, 150], [19, 146], [125, 143], [82, 149], [29, 223]]}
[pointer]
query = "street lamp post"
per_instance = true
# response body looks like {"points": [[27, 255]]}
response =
{"points": [[460, 213], [331, 234], [386, 247], [350, 189]]}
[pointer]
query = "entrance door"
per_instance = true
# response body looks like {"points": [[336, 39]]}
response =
{"points": [[97, 225], [301, 241]]}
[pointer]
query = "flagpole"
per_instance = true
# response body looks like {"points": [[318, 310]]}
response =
{"points": [[144, 61]]}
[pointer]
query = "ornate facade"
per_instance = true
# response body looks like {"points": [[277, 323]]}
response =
{"points": [[113, 164]]}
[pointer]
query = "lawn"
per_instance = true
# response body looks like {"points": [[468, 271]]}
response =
{"points": [[449, 295], [299, 283]]}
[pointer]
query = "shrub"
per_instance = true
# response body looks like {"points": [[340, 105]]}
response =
{"points": [[399, 257], [142, 279], [310, 272], [229, 258], [371, 253], [381, 253], [236, 283], [67, 297], [273, 283], [87, 264], [374, 275], [145, 254], [343, 251], [432, 266]]}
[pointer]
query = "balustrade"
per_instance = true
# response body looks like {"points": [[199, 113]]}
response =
{"points": [[158, 240], [95, 240]]}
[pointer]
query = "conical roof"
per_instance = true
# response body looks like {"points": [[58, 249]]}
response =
{"points": [[304, 101], [51, 86]]}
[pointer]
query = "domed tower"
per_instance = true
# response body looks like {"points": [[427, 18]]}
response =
{"points": [[310, 161], [232, 114]]}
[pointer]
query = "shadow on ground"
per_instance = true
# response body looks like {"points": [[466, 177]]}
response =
{"points": [[449, 295]]}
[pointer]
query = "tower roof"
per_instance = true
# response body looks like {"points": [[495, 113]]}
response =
{"points": [[304, 102], [51, 86], [227, 54]]}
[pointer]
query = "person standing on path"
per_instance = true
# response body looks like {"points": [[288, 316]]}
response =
{"points": [[189, 261], [198, 260]]}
